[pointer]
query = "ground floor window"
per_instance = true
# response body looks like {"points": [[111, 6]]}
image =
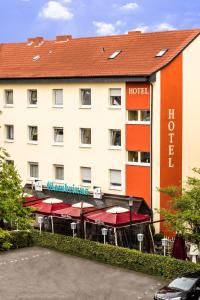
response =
{"points": [[115, 178], [59, 172], [33, 169]]}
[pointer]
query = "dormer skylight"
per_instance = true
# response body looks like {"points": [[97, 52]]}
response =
{"points": [[35, 58], [115, 54], [161, 52]]}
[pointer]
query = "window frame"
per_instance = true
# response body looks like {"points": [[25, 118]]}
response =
{"points": [[29, 91], [81, 98], [115, 186], [54, 135], [139, 162], [54, 98], [110, 101], [8, 139], [55, 166], [29, 134], [139, 112], [112, 146], [31, 164], [87, 182], [5, 98], [85, 145]]}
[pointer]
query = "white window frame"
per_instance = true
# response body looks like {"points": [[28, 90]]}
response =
{"points": [[33, 164], [88, 180], [6, 98], [54, 136], [29, 93], [55, 166], [29, 134], [139, 117], [116, 185], [81, 98], [54, 91], [7, 129], [138, 163], [110, 99], [85, 145], [111, 132]]}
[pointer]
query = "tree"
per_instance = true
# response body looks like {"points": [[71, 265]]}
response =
{"points": [[183, 214], [11, 195]]}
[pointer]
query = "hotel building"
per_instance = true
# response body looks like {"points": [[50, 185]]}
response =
{"points": [[117, 112]]}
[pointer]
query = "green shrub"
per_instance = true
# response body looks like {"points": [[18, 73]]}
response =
{"points": [[158, 237], [21, 239], [5, 240], [117, 256]]}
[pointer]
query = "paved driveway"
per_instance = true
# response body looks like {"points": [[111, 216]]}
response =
{"points": [[42, 274]]}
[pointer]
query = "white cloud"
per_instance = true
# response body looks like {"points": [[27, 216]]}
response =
{"points": [[142, 28], [105, 28], [56, 11], [164, 27], [129, 6]]}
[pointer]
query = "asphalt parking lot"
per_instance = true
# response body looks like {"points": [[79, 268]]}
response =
{"points": [[42, 274]]}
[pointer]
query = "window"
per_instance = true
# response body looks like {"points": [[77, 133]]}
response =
{"points": [[115, 138], [59, 172], [137, 157], [86, 175], [139, 116], [85, 136], [85, 97], [9, 132], [115, 178], [114, 54], [58, 135], [58, 97], [33, 133], [8, 97], [32, 97], [34, 170], [161, 52], [115, 97]]}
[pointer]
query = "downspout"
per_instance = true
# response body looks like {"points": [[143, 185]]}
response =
{"points": [[151, 147]]}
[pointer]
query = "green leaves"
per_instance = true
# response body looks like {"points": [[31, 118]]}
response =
{"points": [[183, 214], [11, 202]]}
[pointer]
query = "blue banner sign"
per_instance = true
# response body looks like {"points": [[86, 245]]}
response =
{"points": [[67, 188]]}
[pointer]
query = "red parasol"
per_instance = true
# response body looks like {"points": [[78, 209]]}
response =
{"points": [[75, 210], [48, 206], [116, 217]]}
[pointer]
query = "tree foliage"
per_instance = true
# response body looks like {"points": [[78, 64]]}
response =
{"points": [[183, 215], [11, 195]]}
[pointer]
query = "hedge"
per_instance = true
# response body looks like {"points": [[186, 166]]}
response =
{"points": [[117, 256], [15, 239]]}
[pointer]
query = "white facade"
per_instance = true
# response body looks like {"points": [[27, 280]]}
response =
{"points": [[100, 117]]}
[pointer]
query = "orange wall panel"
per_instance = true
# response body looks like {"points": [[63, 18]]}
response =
{"points": [[138, 182], [171, 128], [138, 137], [137, 96]]}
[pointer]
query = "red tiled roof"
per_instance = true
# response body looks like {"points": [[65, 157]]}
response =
{"points": [[88, 57]]}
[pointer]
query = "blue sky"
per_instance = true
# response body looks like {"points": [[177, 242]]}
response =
{"points": [[21, 19]]}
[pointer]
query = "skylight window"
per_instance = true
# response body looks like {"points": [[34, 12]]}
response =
{"points": [[115, 54], [35, 58], [161, 52]]}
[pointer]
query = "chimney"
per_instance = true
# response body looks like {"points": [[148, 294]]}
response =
{"points": [[134, 33], [63, 38], [37, 39]]}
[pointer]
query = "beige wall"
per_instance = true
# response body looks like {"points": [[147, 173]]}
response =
{"points": [[191, 111], [99, 118], [156, 150]]}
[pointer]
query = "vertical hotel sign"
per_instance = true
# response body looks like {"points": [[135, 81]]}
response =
{"points": [[171, 135], [171, 128]]}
